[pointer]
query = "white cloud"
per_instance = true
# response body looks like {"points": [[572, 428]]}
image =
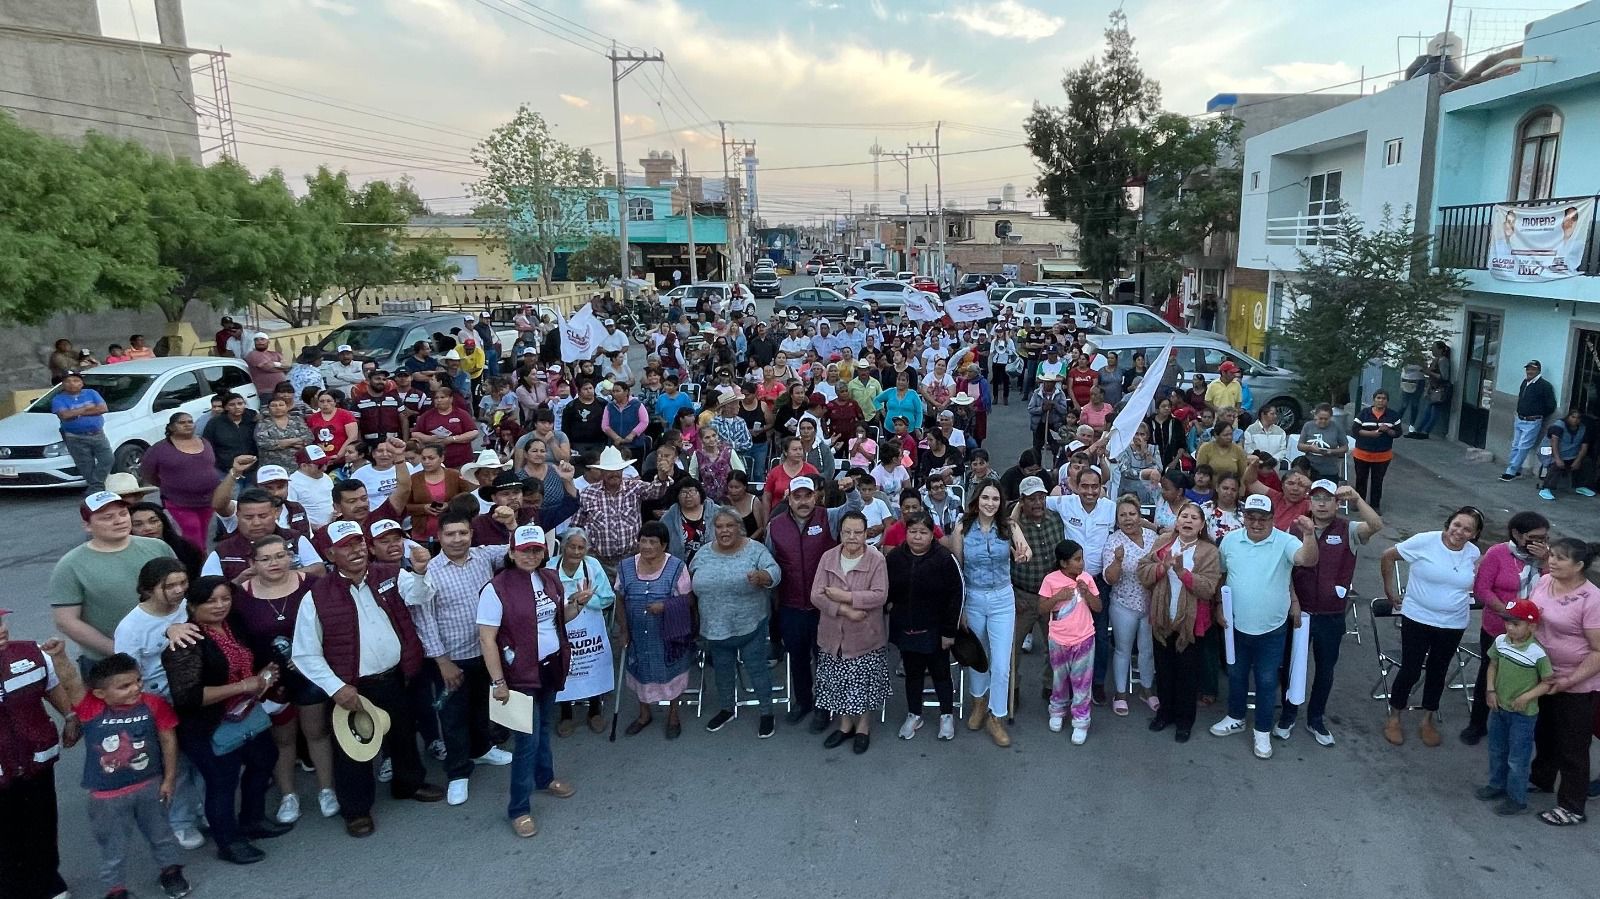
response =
{"points": [[575, 102], [334, 6], [1005, 18], [879, 11]]}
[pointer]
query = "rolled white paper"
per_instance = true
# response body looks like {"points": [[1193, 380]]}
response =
{"points": [[1227, 632], [1299, 650]]}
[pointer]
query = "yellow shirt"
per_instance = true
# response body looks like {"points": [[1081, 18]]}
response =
{"points": [[1219, 394], [472, 363], [1222, 461]]}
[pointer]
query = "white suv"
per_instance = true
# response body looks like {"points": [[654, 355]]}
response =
{"points": [[830, 276]]}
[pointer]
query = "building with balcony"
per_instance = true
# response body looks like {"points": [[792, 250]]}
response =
{"points": [[1521, 131], [1360, 157]]}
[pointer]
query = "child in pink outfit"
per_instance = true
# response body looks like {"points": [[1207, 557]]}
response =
{"points": [[1070, 598]]}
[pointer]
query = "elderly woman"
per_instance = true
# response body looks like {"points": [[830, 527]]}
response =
{"points": [[1182, 572], [217, 687], [1130, 625], [579, 570], [731, 577], [1508, 571], [1139, 467], [522, 627], [1569, 631], [985, 543], [713, 461], [924, 611], [1434, 613], [851, 585], [656, 626]]}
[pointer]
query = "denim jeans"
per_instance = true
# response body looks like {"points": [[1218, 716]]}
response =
{"points": [[991, 614], [532, 766], [236, 784], [752, 648], [1524, 435], [114, 821], [1411, 405], [1258, 654], [1430, 414], [91, 453], [1511, 752], [1327, 634]]}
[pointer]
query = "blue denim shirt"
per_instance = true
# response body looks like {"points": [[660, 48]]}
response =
{"points": [[986, 559]]}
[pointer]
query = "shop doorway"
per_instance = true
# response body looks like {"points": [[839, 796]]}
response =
{"points": [[1583, 391], [1478, 377]]}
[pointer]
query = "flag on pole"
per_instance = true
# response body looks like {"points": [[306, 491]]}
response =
{"points": [[581, 334], [969, 307], [920, 307], [1134, 409]]}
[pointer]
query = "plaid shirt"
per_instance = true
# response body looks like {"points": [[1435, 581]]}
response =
{"points": [[733, 431], [1042, 537], [449, 624], [613, 519]]}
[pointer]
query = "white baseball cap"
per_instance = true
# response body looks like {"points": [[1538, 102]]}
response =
{"points": [[94, 502], [260, 336], [270, 474], [1030, 486], [527, 537], [802, 483], [1325, 484], [344, 348], [1258, 502], [340, 532], [383, 526]]}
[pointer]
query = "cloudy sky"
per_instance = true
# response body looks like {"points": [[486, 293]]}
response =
{"points": [[391, 87]]}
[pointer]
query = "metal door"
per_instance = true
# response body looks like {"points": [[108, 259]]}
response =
{"points": [[1478, 377]]}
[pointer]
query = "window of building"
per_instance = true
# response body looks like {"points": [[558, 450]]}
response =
{"points": [[466, 267], [598, 211], [1538, 138], [1391, 152], [641, 210], [1255, 180]]}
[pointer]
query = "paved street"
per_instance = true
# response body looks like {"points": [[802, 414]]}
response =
{"points": [[1131, 813]]}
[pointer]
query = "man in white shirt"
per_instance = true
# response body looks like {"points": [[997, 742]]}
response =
{"points": [[614, 340], [343, 371], [794, 345], [310, 486], [365, 632], [1088, 518]]}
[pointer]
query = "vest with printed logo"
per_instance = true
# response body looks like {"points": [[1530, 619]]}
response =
{"points": [[234, 552], [518, 637], [29, 744], [798, 551], [1336, 563], [341, 627]]}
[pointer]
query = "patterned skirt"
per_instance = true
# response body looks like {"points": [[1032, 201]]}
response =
{"points": [[853, 686]]}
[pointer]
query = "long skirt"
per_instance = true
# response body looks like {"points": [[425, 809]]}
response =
{"points": [[853, 686]]}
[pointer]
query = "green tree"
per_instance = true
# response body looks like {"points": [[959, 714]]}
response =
{"points": [[1089, 149], [1191, 178], [597, 261], [72, 238], [1364, 293], [536, 193]]}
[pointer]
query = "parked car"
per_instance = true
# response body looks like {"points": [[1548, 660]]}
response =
{"points": [[140, 396], [1269, 385], [891, 295], [386, 340], [811, 301], [830, 276], [766, 283], [975, 280], [1052, 307], [905, 276], [1121, 318], [679, 293], [925, 284]]}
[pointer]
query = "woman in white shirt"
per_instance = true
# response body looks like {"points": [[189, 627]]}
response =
{"points": [[1434, 613]]}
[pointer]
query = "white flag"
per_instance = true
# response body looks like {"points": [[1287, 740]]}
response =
{"points": [[581, 335], [1137, 404], [969, 307], [919, 307]]}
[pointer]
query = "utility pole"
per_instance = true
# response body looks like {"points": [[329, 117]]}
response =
{"points": [[634, 60], [688, 211], [731, 203], [938, 181], [850, 208], [923, 150], [904, 158]]}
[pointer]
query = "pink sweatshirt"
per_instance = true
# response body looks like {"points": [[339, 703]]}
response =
{"points": [[1499, 575]]}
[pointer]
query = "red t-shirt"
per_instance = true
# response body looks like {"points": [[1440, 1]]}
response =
{"points": [[895, 534], [1080, 383], [448, 424], [330, 432]]}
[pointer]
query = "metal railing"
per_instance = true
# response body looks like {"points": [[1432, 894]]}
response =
{"points": [[1466, 235], [1301, 229]]}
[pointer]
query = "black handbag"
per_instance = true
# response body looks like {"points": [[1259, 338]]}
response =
{"points": [[968, 649]]}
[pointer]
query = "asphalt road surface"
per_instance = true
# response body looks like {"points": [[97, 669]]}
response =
{"points": [[1130, 813]]}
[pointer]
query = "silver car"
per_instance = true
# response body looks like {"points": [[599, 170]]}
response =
{"points": [[1269, 385]]}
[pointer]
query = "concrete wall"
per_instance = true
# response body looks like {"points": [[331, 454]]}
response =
{"points": [[92, 332], [82, 16]]}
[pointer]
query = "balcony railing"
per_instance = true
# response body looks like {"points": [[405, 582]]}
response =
{"points": [[1466, 234], [1301, 230]]}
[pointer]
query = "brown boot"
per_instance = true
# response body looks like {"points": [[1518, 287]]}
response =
{"points": [[980, 711], [1392, 731], [1428, 733], [997, 732]]}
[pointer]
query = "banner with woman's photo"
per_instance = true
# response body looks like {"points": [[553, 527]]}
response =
{"points": [[1540, 243]]}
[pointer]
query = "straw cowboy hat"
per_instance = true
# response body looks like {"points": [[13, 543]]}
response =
{"points": [[486, 459], [612, 459], [360, 733], [126, 485], [963, 399]]}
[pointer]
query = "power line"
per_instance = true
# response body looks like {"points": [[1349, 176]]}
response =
{"points": [[837, 165], [321, 100], [517, 17]]}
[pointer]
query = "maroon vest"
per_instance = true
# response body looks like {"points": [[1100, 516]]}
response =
{"points": [[488, 532], [234, 551], [379, 417], [299, 524], [341, 629], [1336, 563], [28, 740], [518, 636], [798, 551]]}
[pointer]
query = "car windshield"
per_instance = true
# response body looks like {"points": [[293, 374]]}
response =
{"points": [[120, 391], [364, 339]]}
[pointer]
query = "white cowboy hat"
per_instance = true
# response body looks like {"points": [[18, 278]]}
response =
{"points": [[486, 459], [360, 733], [611, 459], [963, 399], [124, 484]]}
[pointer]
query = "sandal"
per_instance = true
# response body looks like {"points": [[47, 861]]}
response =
{"points": [[1560, 817], [1154, 702], [1120, 706], [524, 826], [637, 725], [566, 727]]}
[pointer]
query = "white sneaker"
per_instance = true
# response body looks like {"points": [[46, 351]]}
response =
{"points": [[1324, 737], [910, 728], [1228, 725], [189, 838], [1080, 734], [1055, 723], [456, 792], [436, 748], [327, 803], [1263, 741], [495, 756], [1283, 733], [947, 727], [1027, 642], [385, 771], [289, 809]]}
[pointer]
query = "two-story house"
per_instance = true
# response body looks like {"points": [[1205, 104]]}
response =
{"points": [[1518, 171]]}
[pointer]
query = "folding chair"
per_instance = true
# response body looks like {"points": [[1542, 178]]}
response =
{"points": [[744, 694], [1380, 607], [1466, 654]]}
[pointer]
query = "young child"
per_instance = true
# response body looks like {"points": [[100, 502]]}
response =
{"points": [[1202, 492], [1518, 668], [1070, 598], [130, 769], [879, 515]]}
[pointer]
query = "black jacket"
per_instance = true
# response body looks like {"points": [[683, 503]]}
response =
{"points": [[229, 440], [1538, 398], [924, 597]]}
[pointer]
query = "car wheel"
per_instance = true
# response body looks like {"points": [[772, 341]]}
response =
{"points": [[128, 457], [1290, 415], [793, 312]]}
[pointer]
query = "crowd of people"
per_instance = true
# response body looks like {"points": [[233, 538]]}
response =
{"points": [[437, 562]]}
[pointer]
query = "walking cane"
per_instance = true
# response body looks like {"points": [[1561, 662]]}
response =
{"points": [[616, 698]]}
